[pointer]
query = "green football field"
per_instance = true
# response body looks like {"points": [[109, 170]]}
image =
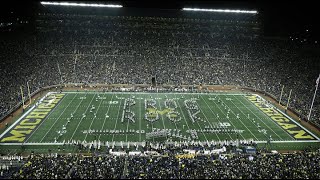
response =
{"points": [[138, 117]]}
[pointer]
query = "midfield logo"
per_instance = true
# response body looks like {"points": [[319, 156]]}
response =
{"points": [[152, 112]]}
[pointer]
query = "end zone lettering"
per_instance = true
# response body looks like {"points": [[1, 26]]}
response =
{"points": [[289, 126], [25, 127]]}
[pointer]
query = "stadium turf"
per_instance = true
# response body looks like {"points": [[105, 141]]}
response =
{"points": [[124, 116]]}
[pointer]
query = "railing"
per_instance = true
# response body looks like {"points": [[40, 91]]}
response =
{"points": [[16, 107], [303, 117]]}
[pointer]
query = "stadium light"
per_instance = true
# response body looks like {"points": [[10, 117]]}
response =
{"points": [[81, 4], [220, 10]]}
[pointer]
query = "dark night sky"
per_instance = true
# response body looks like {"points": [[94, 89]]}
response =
{"points": [[279, 17]]}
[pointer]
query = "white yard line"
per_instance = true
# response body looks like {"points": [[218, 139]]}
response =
{"points": [[240, 120], [164, 126], [57, 118], [199, 124], [127, 130], [224, 115], [292, 120], [94, 117], [120, 107], [141, 118], [82, 117], [178, 104], [13, 125], [175, 124], [78, 105], [52, 110], [148, 121], [257, 116], [106, 117], [216, 117], [259, 110]]}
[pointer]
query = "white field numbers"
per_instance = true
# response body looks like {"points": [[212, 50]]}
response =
{"points": [[225, 124], [113, 102]]}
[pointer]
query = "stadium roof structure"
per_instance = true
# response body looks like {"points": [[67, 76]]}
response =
{"points": [[286, 19], [220, 10], [119, 6], [81, 4]]}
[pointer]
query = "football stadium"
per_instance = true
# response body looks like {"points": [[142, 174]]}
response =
{"points": [[117, 90]]}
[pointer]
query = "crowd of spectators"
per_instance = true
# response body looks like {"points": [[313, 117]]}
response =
{"points": [[132, 50], [296, 165], [71, 166], [259, 166]]}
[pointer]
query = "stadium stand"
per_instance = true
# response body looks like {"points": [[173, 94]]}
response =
{"points": [[164, 165], [178, 51]]}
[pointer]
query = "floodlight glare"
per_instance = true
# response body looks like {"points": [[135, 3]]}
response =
{"points": [[220, 10], [81, 4]]}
